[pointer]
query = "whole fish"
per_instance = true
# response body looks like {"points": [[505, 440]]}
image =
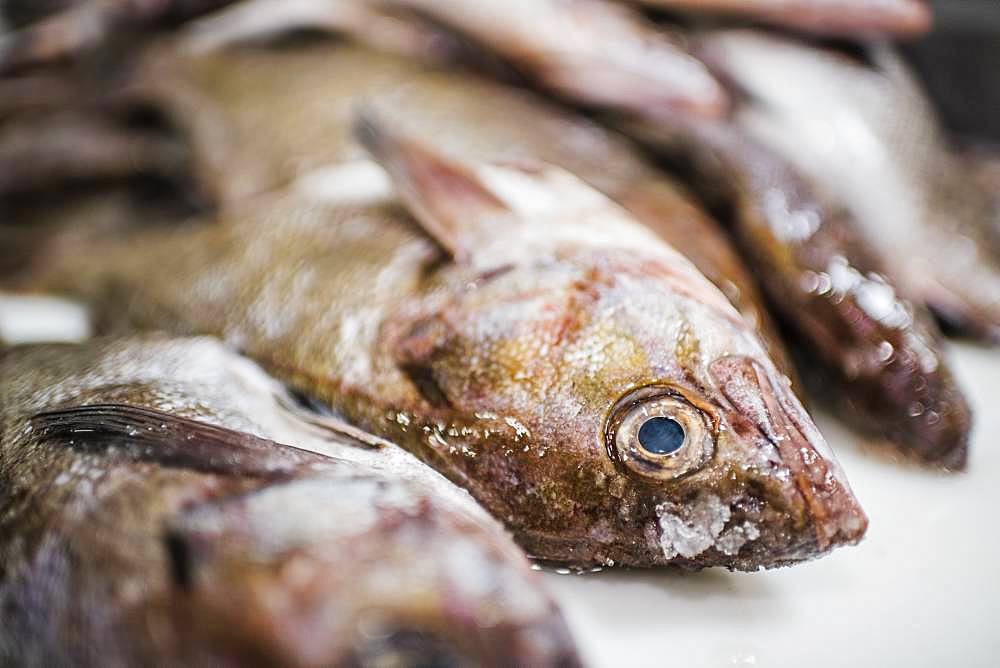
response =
{"points": [[533, 343], [880, 355], [148, 519], [851, 18], [866, 135], [219, 102]]}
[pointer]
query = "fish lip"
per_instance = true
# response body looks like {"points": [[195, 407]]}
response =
{"points": [[816, 477]]}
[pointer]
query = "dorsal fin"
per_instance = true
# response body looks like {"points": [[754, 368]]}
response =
{"points": [[451, 202], [145, 434]]}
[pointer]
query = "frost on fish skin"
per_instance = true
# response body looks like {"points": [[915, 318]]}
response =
{"points": [[690, 529]]}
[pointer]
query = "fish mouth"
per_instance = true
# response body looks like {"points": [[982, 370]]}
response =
{"points": [[816, 490]]}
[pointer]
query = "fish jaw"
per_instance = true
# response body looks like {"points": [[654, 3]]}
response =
{"points": [[806, 478]]}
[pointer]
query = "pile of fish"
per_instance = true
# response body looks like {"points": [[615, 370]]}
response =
{"points": [[394, 294]]}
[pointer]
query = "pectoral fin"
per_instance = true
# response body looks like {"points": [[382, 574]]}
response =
{"points": [[149, 435]]}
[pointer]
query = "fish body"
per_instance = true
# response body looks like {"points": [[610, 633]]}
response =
{"points": [[148, 518], [595, 52], [851, 18], [866, 136], [518, 343], [879, 354], [627, 64], [223, 103], [58, 31], [63, 150]]}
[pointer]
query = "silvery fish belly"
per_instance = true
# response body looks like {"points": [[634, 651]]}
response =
{"points": [[866, 135], [147, 518], [875, 354], [532, 342], [218, 100], [850, 18]]}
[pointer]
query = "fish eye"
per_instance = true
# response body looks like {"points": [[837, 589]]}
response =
{"points": [[661, 435], [655, 432]]}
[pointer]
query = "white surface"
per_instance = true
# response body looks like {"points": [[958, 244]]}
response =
{"points": [[38, 318], [922, 589]]}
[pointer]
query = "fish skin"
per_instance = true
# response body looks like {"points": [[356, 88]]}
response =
{"points": [[210, 544], [58, 150], [591, 51], [506, 371], [83, 26], [981, 161], [929, 219], [23, 12], [848, 18], [881, 356], [559, 42], [219, 98]]}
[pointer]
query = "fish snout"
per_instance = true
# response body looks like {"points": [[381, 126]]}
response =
{"points": [[817, 498]]}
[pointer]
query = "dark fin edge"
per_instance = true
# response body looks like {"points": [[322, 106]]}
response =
{"points": [[150, 435], [329, 423]]}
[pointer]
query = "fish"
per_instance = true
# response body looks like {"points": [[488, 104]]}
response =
{"points": [[49, 152], [517, 331], [830, 18], [848, 124], [148, 517], [877, 355], [598, 53], [216, 100], [981, 161], [59, 31], [601, 52], [23, 12]]}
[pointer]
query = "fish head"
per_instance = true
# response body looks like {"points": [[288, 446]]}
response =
{"points": [[276, 573], [595, 391]]}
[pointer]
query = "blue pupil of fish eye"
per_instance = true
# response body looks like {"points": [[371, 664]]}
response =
{"points": [[661, 435]]}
